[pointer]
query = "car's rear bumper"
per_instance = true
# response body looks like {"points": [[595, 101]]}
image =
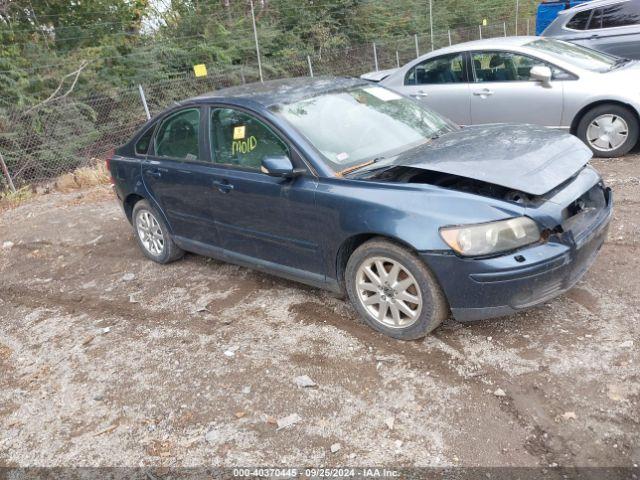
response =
{"points": [[484, 288]]}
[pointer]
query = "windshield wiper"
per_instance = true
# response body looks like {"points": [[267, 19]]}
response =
{"points": [[619, 62], [360, 166]]}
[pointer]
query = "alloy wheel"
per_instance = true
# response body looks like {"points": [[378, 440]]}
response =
{"points": [[388, 292], [150, 232], [607, 132]]}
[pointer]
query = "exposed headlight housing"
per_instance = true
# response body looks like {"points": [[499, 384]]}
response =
{"points": [[490, 238]]}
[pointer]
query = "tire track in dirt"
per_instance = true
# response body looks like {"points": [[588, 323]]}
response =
{"points": [[74, 304], [441, 360]]}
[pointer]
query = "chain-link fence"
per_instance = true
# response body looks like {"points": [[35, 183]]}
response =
{"points": [[58, 136]]}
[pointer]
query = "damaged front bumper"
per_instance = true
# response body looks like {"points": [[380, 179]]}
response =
{"points": [[484, 288]]}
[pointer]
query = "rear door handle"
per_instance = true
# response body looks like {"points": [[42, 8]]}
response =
{"points": [[484, 93], [223, 186], [154, 173]]}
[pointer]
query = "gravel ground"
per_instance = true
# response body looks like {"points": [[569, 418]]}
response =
{"points": [[109, 359]]}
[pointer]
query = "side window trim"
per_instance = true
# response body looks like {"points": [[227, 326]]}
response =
{"points": [[158, 126], [468, 67], [596, 14]]}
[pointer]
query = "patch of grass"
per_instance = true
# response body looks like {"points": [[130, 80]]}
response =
{"points": [[79, 179], [83, 177], [9, 199]]}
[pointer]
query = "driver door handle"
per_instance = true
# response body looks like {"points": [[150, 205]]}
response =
{"points": [[420, 94], [484, 93], [223, 186]]}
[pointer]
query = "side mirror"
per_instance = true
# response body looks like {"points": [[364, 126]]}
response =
{"points": [[541, 73], [279, 166]]}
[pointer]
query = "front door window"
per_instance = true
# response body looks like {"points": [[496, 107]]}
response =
{"points": [[240, 139]]}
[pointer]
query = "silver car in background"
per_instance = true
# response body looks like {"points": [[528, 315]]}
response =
{"points": [[530, 80], [610, 26]]}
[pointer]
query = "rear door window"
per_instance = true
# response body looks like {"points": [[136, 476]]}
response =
{"points": [[440, 70], [178, 136], [240, 139], [621, 15]]}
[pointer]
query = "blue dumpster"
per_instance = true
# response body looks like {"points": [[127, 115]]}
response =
{"points": [[548, 11]]}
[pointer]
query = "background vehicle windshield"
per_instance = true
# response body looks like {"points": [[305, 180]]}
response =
{"points": [[356, 125], [579, 56]]}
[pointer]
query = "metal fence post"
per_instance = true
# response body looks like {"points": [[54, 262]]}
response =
{"points": [[5, 170], [504, 27], [431, 23], [480, 30], [415, 37], [517, 9], [449, 34], [397, 59], [375, 56], [527, 26], [144, 101], [310, 67], [255, 37]]}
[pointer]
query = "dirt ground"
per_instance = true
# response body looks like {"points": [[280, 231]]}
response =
{"points": [[109, 359]]}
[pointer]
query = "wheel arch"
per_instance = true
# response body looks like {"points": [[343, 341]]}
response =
{"points": [[350, 244], [128, 204], [578, 116]]}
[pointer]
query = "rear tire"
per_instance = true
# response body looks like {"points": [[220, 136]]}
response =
{"points": [[152, 234], [394, 291], [609, 130]]}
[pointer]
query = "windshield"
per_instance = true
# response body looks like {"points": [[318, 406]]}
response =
{"points": [[575, 54], [362, 124]]}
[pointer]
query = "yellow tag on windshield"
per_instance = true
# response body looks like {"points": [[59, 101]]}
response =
{"points": [[239, 132]]}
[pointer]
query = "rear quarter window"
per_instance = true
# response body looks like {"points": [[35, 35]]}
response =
{"points": [[142, 145], [580, 20]]}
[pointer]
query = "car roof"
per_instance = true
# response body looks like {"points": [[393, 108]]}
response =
{"points": [[588, 6], [498, 42], [274, 92]]}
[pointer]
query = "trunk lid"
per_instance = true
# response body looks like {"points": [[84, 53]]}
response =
{"points": [[526, 158]]}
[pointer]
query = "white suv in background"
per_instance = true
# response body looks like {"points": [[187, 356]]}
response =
{"points": [[611, 26]]}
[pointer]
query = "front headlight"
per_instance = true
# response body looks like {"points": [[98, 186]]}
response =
{"points": [[489, 238]]}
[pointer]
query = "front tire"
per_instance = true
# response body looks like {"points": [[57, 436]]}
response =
{"points": [[394, 291], [609, 130], [152, 234]]}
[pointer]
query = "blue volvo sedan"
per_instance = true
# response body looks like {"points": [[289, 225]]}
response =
{"points": [[345, 185]]}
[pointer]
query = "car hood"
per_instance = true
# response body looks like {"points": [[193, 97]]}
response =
{"points": [[526, 158]]}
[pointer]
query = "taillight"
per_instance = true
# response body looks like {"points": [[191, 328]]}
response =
{"points": [[110, 155]]}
